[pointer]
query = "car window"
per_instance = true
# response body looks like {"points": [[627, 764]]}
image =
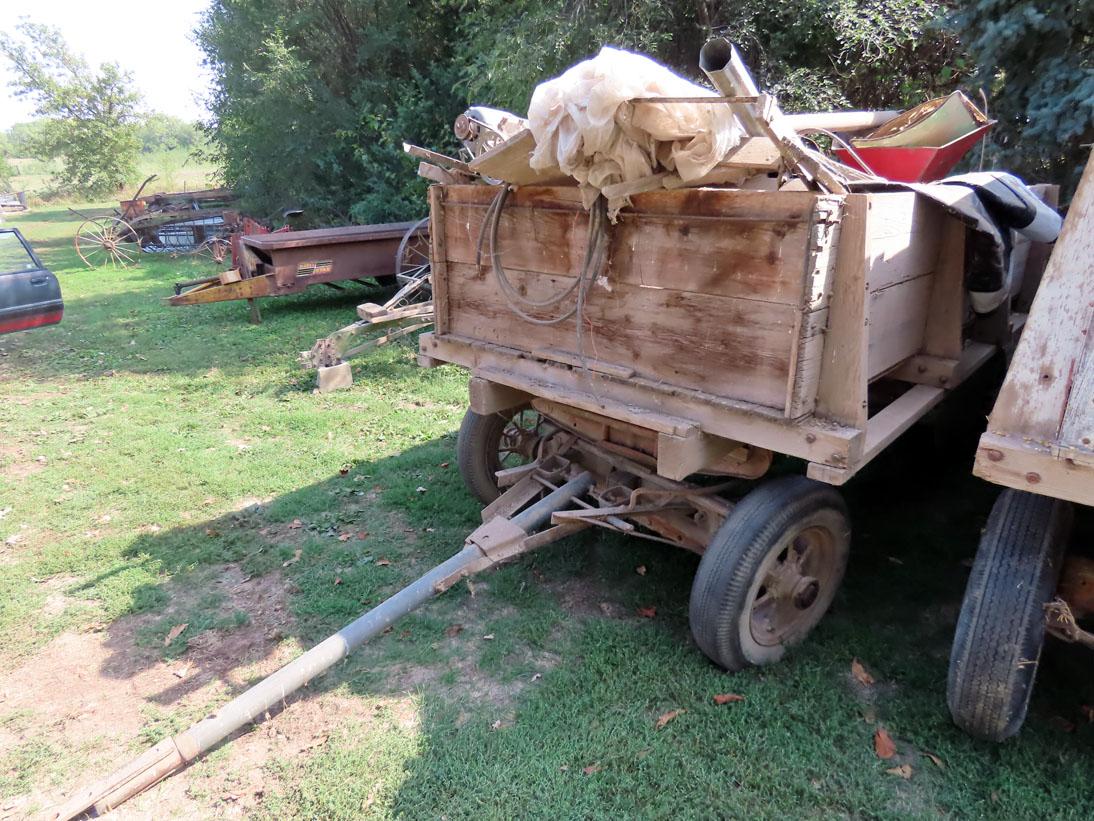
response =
{"points": [[14, 256]]}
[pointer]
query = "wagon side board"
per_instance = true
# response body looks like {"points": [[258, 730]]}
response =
{"points": [[1040, 435], [760, 318]]}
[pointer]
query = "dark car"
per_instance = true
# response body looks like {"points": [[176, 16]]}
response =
{"points": [[30, 296]]}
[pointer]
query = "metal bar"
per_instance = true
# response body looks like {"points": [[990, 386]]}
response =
{"points": [[541, 511]]}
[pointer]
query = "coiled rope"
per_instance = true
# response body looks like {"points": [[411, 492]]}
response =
{"points": [[596, 252]]}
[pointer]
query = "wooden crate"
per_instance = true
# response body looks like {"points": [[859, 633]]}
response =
{"points": [[754, 316]]}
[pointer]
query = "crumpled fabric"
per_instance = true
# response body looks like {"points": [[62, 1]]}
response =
{"points": [[584, 125], [1003, 216]]}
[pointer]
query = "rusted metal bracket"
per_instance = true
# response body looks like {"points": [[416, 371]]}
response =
{"points": [[1060, 622]]}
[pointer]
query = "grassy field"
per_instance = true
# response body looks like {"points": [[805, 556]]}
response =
{"points": [[164, 468], [176, 171]]}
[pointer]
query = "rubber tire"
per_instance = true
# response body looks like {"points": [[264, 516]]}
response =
{"points": [[723, 582], [476, 447], [1001, 626]]}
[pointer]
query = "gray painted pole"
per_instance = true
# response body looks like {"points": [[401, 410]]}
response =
{"points": [[173, 753]]}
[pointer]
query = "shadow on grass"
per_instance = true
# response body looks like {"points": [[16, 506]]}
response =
{"points": [[592, 678]]}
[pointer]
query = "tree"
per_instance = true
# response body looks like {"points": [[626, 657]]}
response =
{"points": [[1036, 64], [162, 132], [312, 106], [89, 116]]}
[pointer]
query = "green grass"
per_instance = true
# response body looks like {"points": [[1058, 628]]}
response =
{"points": [[176, 170], [176, 440]]}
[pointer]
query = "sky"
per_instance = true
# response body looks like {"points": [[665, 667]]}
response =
{"points": [[150, 38]]}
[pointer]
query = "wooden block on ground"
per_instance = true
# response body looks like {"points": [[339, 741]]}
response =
{"points": [[335, 377]]}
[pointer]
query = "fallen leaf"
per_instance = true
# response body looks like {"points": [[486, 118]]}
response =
{"points": [[904, 771], [935, 760], [174, 633], [592, 768], [337, 579], [537, 676], [640, 570], [496, 725], [295, 524], [315, 742], [342, 471], [344, 537], [183, 671], [489, 637], [295, 558], [665, 718], [453, 630], [383, 562], [883, 744], [212, 532], [860, 673], [420, 489], [362, 534], [727, 698], [444, 464], [647, 612]]}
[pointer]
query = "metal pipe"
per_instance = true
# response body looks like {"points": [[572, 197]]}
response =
{"points": [[541, 511], [174, 753], [719, 60]]}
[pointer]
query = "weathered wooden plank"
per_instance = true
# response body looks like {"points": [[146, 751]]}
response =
{"points": [[898, 316], [841, 389], [510, 160], [752, 260], [1077, 431], [438, 254], [1033, 400], [903, 238], [1033, 467], [634, 400], [730, 347]]}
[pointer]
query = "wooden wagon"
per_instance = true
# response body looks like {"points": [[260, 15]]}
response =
{"points": [[725, 327], [1039, 444]]}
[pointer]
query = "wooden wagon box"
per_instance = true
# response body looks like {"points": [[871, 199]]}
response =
{"points": [[759, 317]]}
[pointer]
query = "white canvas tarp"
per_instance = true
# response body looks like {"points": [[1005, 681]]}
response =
{"points": [[584, 123]]}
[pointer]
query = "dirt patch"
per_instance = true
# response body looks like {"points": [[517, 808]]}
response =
{"points": [[16, 463], [92, 694]]}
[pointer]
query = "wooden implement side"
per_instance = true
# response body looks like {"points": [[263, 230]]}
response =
{"points": [[283, 263], [1040, 435], [756, 317]]}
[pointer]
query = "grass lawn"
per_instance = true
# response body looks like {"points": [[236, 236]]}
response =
{"points": [[172, 467]]}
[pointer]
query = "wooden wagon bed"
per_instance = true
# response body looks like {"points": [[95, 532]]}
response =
{"points": [[722, 316], [1040, 435]]}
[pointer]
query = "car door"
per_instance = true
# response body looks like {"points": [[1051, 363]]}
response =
{"points": [[30, 296]]}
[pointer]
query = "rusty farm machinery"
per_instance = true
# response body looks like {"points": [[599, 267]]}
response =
{"points": [[184, 222], [279, 263]]}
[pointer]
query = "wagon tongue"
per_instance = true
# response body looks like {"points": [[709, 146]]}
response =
{"points": [[499, 539]]}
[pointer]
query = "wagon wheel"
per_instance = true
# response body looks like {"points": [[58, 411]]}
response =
{"points": [[413, 248], [217, 249], [770, 572], [496, 441], [107, 240], [1001, 628]]}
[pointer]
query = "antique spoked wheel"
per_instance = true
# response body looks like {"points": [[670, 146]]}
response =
{"points": [[107, 240], [492, 442], [770, 572], [218, 249], [413, 248]]}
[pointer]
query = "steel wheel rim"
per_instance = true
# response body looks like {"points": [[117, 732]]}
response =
{"points": [[797, 579], [103, 241], [413, 249], [519, 439]]}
